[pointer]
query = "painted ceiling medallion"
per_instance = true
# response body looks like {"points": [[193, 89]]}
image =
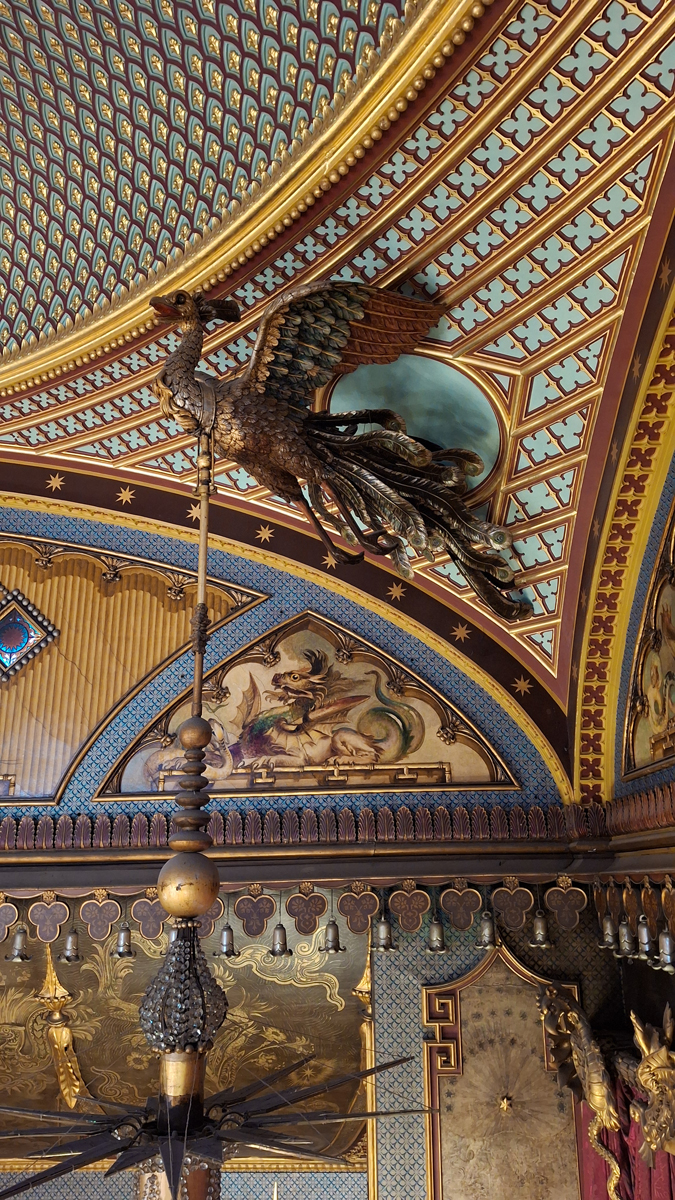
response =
{"points": [[24, 631]]}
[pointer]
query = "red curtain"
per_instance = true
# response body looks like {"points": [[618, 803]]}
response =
{"points": [[638, 1182]]}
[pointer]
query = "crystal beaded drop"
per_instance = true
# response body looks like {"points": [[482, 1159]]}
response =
{"points": [[183, 1005]]}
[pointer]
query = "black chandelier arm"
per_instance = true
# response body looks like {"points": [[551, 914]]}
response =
{"points": [[58, 1118], [123, 1108], [257, 1141], [173, 1152], [57, 1131], [133, 1156], [228, 1097], [339, 1118], [85, 1159], [88, 1142], [206, 1147], [297, 1095]]}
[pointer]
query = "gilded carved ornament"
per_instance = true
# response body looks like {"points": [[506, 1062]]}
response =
{"points": [[54, 999]]}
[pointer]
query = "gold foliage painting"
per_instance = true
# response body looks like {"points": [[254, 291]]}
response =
{"points": [[313, 708], [279, 1012], [650, 722]]}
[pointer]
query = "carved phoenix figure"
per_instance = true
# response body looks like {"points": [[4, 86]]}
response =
{"points": [[380, 489]]}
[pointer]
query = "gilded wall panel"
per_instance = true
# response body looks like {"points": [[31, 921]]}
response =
{"points": [[279, 1011], [504, 1127], [118, 620]]}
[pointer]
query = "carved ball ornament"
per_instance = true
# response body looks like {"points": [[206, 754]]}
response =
{"points": [[188, 885]]}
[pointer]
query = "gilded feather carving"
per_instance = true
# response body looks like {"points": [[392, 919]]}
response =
{"points": [[381, 490]]}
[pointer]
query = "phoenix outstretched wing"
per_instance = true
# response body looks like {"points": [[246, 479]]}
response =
{"points": [[315, 332]]}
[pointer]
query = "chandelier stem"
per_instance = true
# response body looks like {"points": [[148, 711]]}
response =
{"points": [[200, 616], [188, 883]]}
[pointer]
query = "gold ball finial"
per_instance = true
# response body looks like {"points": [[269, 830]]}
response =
{"points": [[188, 885], [195, 733]]}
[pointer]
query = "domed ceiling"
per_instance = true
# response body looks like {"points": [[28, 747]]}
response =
{"points": [[512, 161], [129, 128]]}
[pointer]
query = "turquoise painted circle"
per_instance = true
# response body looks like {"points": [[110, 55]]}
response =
{"points": [[437, 402]]}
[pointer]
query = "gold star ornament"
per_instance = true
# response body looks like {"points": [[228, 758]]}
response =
{"points": [[396, 591], [193, 512], [665, 273], [125, 495], [265, 533], [522, 686], [329, 562], [461, 632], [55, 482]]}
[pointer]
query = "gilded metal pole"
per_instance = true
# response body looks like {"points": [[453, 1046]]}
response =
{"points": [[188, 883], [200, 615]]}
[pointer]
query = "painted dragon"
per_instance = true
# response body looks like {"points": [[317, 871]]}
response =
{"points": [[304, 727]]}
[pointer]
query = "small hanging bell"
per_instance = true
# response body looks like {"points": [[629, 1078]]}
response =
{"points": [[173, 934], [540, 938], [18, 951], [70, 952], [331, 936], [486, 939], [610, 940], [123, 944], [645, 940], [279, 948], [435, 937], [667, 951], [227, 949], [382, 936], [627, 942]]}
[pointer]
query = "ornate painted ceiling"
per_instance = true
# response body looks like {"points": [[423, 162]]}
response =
{"points": [[511, 160]]}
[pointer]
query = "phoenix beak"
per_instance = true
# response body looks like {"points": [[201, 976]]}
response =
{"points": [[164, 308]]}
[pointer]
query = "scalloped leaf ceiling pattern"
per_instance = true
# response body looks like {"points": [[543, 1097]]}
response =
{"points": [[126, 128]]}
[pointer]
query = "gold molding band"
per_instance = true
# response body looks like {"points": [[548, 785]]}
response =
{"points": [[340, 138], [328, 583]]}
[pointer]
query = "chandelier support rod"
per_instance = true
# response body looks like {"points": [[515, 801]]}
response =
{"points": [[200, 616]]}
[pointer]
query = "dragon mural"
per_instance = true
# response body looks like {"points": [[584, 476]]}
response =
{"points": [[305, 725], [311, 704]]}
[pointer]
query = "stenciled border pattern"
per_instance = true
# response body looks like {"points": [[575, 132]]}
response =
{"points": [[618, 562]]}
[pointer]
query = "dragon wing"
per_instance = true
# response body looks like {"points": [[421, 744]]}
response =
{"points": [[250, 704], [312, 333]]}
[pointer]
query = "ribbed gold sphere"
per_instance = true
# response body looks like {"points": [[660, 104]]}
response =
{"points": [[188, 885]]}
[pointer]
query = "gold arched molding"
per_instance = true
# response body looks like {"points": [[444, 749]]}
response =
{"points": [[387, 81], [330, 584], [641, 474]]}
